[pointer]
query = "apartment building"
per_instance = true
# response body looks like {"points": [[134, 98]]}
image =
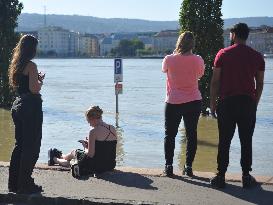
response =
{"points": [[88, 45], [165, 41], [73, 44], [260, 39], [54, 41]]}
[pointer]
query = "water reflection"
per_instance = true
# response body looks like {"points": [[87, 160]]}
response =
{"points": [[205, 158], [120, 150], [6, 135]]}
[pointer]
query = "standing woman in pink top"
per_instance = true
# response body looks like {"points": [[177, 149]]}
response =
{"points": [[183, 99]]}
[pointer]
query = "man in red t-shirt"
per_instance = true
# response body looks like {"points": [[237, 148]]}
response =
{"points": [[236, 86]]}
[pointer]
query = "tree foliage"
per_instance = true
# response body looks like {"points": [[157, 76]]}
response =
{"points": [[204, 19], [9, 12], [128, 48]]}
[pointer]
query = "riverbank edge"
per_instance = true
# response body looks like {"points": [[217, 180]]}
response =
{"points": [[41, 199], [230, 177]]}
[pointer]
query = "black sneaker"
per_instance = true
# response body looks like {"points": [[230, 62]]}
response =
{"points": [[248, 181], [187, 171], [168, 171], [57, 153], [53, 153], [218, 181]]}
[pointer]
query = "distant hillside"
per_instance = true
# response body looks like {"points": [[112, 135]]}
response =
{"points": [[89, 24], [251, 21], [30, 22]]}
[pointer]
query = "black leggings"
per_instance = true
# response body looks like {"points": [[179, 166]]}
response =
{"points": [[27, 117], [173, 114]]}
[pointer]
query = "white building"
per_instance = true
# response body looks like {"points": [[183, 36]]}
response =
{"points": [[260, 39], [57, 41], [73, 49], [165, 41]]}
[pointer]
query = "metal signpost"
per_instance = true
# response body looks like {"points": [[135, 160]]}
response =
{"points": [[118, 77]]}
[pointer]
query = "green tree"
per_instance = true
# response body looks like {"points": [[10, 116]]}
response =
{"points": [[128, 48], [204, 19], [145, 52], [9, 12]]}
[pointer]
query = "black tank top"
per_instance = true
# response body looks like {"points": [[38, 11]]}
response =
{"points": [[105, 153], [23, 87]]}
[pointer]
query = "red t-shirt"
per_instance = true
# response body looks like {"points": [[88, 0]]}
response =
{"points": [[239, 64]]}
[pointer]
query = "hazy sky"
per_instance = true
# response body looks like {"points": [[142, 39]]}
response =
{"points": [[142, 9]]}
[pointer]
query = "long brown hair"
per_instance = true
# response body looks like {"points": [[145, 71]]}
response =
{"points": [[24, 51], [185, 42]]}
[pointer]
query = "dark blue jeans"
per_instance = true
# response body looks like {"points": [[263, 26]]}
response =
{"points": [[27, 116], [173, 114], [241, 111]]}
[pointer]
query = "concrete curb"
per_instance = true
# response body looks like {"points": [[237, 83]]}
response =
{"points": [[264, 180], [12, 198], [35, 199]]}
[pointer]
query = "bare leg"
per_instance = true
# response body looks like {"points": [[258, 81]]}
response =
{"points": [[61, 162], [64, 161], [69, 156]]}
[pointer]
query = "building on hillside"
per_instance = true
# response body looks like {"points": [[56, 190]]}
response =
{"points": [[106, 45], [73, 45], [56, 41], [165, 41], [226, 35], [33, 33], [117, 37], [112, 41], [148, 41], [88, 45], [261, 40]]}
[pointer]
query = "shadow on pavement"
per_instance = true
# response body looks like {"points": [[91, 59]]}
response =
{"points": [[255, 194], [195, 180], [128, 179]]}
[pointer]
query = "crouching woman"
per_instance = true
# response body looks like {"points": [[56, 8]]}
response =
{"points": [[99, 153]]}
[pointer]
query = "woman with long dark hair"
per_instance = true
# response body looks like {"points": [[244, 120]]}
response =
{"points": [[27, 116], [183, 99]]}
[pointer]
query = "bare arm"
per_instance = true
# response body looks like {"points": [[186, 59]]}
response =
{"points": [[201, 69], [164, 65], [214, 90], [34, 84], [259, 85]]}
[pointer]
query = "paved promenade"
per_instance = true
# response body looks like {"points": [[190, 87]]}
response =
{"points": [[134, 186]]}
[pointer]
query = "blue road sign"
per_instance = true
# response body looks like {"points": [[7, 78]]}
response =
{"points": [[118, 74]]}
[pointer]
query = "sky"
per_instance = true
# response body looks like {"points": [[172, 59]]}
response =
{"points": [[159, 10]]}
